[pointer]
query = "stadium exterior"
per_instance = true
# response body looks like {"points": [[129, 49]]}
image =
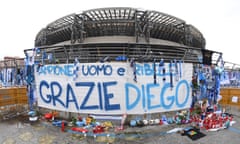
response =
{"points": [[112, 32], [113, 35]]}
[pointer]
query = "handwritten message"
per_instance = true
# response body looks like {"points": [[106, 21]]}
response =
{"points": [[110, 88]]}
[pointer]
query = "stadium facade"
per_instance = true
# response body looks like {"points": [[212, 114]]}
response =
{"points": [[72, 74], [112, 32]]}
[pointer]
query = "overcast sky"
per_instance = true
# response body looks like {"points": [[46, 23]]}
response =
{"points": [[218, 20]]}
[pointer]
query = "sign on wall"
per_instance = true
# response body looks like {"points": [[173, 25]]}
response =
{"points": [[114, 88]]}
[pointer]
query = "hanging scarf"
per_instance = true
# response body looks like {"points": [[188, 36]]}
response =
{"points": [[134, 72], [133, 65], [176, 70], [217, 87], [29, 66], [171, 74], [162, 68], [31, 96], [180, 69], [75, 69], [154, 70], [1, 76], [44, 56]]}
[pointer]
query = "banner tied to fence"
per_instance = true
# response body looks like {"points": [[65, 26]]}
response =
{"points": [[114, 88]]}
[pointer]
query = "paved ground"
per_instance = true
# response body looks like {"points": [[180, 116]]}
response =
{"points": [[16, 131]]}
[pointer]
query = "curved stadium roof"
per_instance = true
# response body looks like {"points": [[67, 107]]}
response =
{"points": [[122, 22]]}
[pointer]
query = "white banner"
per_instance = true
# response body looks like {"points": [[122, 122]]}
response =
{"points": [[114, 88]]}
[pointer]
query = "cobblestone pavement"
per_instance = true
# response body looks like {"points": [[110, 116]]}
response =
{"points": [[15, 131]]}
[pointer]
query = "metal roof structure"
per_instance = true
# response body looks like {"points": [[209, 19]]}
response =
{"points": [[121, 21], [120, 31]]}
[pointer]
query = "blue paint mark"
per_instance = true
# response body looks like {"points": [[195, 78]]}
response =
{"points": [[151, 96], [90, 85], [56, 96], [108, 96], [169, 98], [68, 100], [138, 95], [183, 82]]}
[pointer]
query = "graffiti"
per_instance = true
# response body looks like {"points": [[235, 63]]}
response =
{"points": [[146, 94], [109, 88], [148, 69], [66, 70], [55, 91], [96, 70], [86, 70], [145, 69]]}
